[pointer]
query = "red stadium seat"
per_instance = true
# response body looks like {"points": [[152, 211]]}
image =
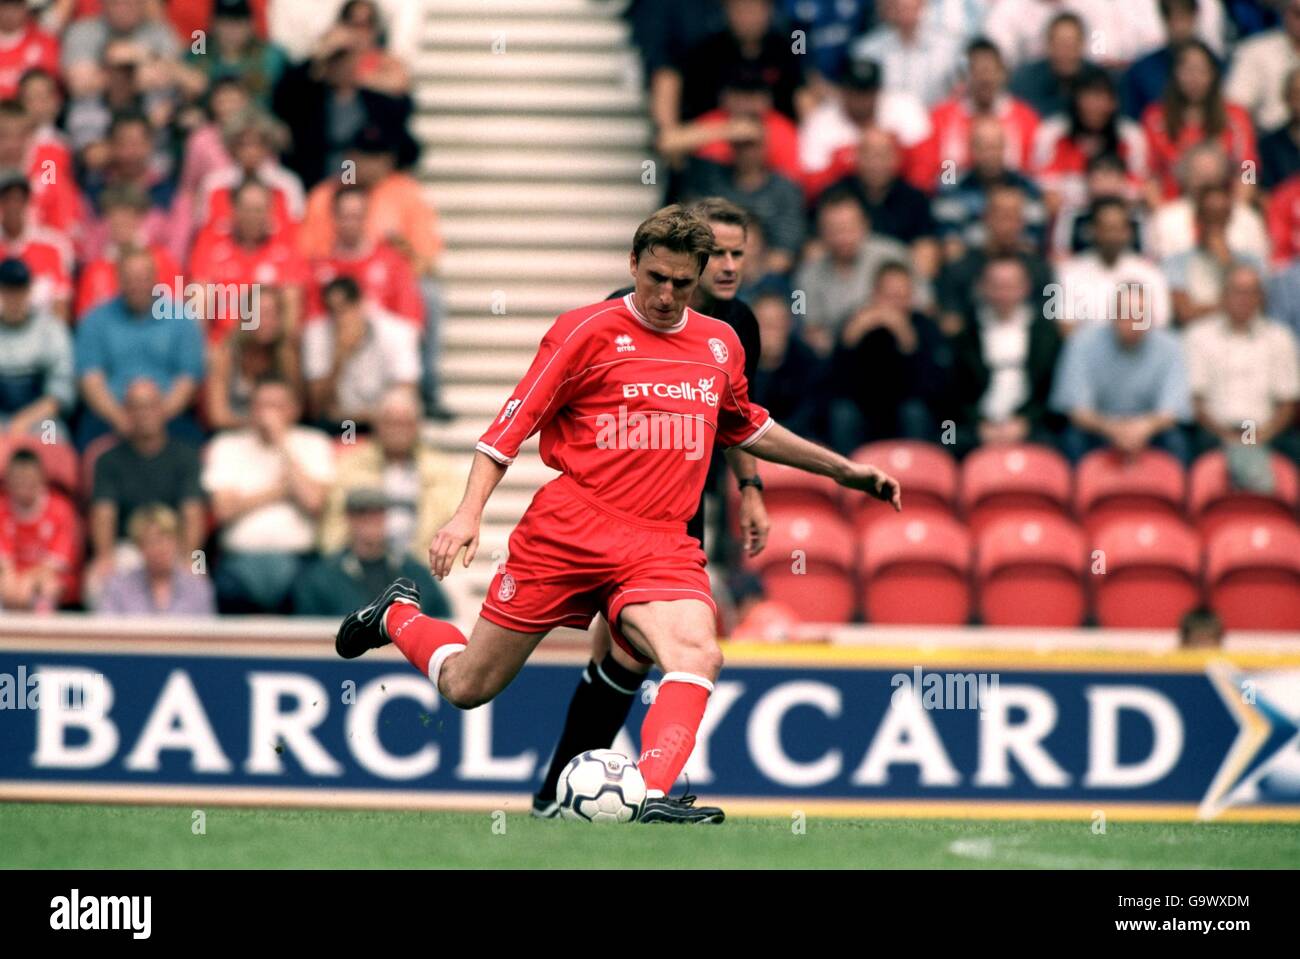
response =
{"points": [[1212, 502], [1030, 572], [916, 571], [1002, 481], [89, 457], [785, 487], [1252, 572], [927, 472], [809, 565], [1110, 486], [1152, 572], [58, 460]]}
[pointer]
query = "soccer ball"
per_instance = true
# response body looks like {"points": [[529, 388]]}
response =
{"points": [[601, 785]]}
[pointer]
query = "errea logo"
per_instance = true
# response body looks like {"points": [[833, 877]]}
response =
{"points": [[623, 343]]}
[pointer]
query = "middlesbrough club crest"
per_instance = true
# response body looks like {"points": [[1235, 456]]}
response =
{"points": [[718, 349], [506, 588]]}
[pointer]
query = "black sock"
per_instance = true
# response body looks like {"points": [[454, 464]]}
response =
{"points": [[597, 711]]}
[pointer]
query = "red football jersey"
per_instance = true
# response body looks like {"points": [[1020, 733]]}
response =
{"points": [[631, 412], [218, 259], [384, 275], [32, 49], [48, 256], [98, 281], [215, 205], [49, 536]]}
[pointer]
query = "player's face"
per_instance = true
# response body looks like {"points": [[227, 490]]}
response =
{"points": [[664, 282], [722, 274]]}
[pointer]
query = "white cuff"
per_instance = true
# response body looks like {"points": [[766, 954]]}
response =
{"points": [[495, 453], [757, 435], [687, 678]]}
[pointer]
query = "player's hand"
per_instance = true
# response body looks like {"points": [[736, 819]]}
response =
{"points": [[459, 532], [754, 524], [875, 482]]}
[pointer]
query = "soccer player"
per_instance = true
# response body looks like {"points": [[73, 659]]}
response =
{"points": [[604, 697], [629, 396]]}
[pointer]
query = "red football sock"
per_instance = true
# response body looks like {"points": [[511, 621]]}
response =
{"points": [[668, 733], [419, 636]]}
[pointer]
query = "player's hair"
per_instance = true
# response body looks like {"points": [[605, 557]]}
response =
{"points": [[678, 230], [1168, 7], [276, 380], [1214, 113], [1103, 203], [716, 209], [888, 267], [251, 182], [24, 457], [12, 108], [344, 286], [159, 515], [983, 45], [839, 196], [1062, 18], [124, 118], [35, 73]]}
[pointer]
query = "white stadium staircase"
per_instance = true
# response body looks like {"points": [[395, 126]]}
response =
{"points": [[532, 120]]}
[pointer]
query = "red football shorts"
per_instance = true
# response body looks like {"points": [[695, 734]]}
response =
{"points": [[572, 557]]}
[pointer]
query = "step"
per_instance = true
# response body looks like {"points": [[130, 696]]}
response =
{"points": [[596, 266], [495, 332], [614, 66], [505, 367], [466, 230], [454, 196], [474, 400], [490, 32], [461, 434], [535, 96], [527, 472], [496, 163], [542, 131], [521, 299]]}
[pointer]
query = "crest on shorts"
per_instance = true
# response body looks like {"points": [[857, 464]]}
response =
{"points": [[506, 588], [718, 349]]}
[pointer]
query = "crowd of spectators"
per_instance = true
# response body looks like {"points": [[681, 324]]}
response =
{"points": [[217, 286], [1070, 222]]}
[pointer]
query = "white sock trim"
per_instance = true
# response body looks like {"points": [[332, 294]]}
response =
{"points": [[691, 678], [611, 684], [438, 658]]}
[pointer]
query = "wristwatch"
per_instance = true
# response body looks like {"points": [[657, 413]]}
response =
{"points": [[755, 481]]}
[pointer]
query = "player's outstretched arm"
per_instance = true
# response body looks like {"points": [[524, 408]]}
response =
{"points": [[779, 445], [461, 531]]}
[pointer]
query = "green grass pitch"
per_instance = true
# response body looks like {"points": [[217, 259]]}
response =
{"points": [[76, 836]]}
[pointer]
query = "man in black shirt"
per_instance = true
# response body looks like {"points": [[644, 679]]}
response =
{"points": [[147, 467], [603, 699]]}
